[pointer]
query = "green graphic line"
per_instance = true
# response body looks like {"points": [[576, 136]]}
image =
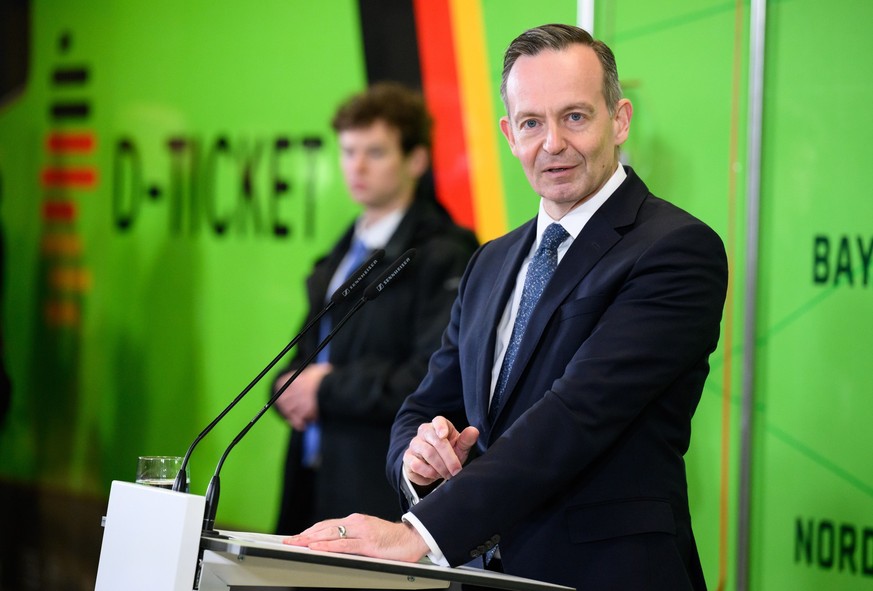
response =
{"points": [[819, 459], [788, 320], [784, 436], [711, 387], [760, 342], [674, 22], [682, 20]]}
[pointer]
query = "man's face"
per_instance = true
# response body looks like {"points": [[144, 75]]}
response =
{"points": [[378, 174], [559, 127]]}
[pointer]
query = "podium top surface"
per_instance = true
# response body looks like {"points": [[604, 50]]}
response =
{"points": [[242, 544]]}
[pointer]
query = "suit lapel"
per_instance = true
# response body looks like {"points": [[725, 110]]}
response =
{"points": [[324, 269], [505, 283]]}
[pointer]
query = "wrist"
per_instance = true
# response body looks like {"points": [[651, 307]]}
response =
{"points": [[416, 543]]}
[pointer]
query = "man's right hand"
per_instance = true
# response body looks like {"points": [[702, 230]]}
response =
{"points": [[299, 403], [437, 452]]}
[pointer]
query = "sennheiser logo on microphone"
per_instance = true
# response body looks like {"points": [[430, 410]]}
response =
{"points": [[393, 274], [360, 278]]}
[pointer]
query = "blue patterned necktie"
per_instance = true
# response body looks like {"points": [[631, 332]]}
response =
{"points": [[312, 436], [357, 253], [540, 270]]}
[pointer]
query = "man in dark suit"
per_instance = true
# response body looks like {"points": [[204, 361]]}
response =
{"points": [[568, 465], [341, 407]]}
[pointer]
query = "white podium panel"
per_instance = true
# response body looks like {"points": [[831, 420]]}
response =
{"points": [[151, 538], [222, 571], [239, 559]]}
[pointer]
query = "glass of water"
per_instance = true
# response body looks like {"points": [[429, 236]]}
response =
{"points": [[158, 471]]}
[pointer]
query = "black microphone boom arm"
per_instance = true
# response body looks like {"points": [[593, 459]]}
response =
{"points": [[372, 292], [342, 292]]}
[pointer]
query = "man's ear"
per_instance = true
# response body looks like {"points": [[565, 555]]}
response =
{"points": [[418, 161], [624, 110], [506, 129]]}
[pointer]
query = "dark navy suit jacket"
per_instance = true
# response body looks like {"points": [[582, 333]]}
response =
{"points": [[581, 478]]}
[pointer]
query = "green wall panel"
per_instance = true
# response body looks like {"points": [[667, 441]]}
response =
{"points": [[813, 480]]}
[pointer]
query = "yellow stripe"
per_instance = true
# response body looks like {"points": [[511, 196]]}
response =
{"points": [[61, 245], [480, 123], [61, 313]]}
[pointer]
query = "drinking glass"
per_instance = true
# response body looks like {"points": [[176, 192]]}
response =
{"points": [[158, 471]]}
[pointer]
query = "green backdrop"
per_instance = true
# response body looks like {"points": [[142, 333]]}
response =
{"points": [[812, 522]]}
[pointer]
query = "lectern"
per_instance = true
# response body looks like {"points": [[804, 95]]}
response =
{"points": [[152, 540], [256, 560]]}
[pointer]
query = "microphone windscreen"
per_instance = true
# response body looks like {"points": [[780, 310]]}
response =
{"points": [[357, 276], [385, 279]]}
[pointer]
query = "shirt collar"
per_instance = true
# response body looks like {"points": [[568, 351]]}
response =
{"points": [[576, 219], [379, 233]]}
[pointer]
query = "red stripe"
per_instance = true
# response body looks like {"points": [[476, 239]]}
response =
{"points": [[59, 211], [58, 143], [79, 178], [441, 91], [62, 313]]}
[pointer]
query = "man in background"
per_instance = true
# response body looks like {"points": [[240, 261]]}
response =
{"points": [[341, 407], [577, 348]]}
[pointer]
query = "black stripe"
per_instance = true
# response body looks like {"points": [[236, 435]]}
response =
{"points": [[15, 48], [390, 42], [391, 53], [62, 76], [79, 110]]}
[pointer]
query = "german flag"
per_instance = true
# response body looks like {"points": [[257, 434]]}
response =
{"points": [[439, 47]]}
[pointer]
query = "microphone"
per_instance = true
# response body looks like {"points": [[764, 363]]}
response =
{"points": [[342, 292], [373, 291]]}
